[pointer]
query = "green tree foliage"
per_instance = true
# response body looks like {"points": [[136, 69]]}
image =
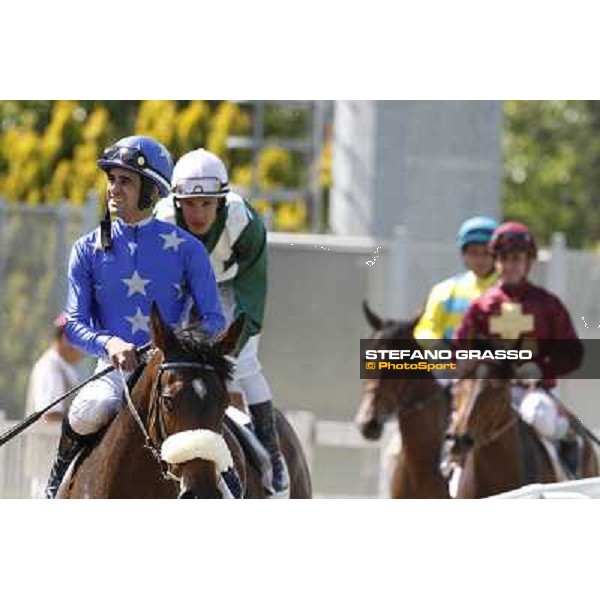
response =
{"points": [[551, 175], [48, 149]]}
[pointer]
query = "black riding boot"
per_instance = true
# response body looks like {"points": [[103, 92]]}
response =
{"points": [[68, 447], [264, 426]]}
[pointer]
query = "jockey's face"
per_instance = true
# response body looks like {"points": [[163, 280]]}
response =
{"points": [[513, 266], [199, 213], [477, 258], [124, 189]]}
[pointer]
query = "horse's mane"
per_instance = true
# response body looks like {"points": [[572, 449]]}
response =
{"points": [[397, 330], [195, 346]]}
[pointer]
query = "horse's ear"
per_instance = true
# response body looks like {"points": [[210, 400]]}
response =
{"points": [[228, 340], [162, 335], [374, 321]]}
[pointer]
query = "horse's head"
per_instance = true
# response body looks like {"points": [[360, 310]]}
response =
{"points": [[189, 399], [383, 398], [481, 408]]}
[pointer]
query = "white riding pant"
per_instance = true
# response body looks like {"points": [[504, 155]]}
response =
{"points": [[248, 378], [540, 411], [98, 402]]}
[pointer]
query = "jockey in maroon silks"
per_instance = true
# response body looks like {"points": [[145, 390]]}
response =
{"points": [[515, 309]]}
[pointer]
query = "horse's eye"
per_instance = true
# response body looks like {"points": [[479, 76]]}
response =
{"points": [[167, 403]]}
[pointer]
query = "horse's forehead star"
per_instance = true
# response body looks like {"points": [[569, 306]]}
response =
{"points": [[199, 387]]}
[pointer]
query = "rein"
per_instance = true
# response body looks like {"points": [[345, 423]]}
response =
{"points": [[149, 444], [466, 442]]}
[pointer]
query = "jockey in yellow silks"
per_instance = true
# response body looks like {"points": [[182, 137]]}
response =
{"points": [[449, 300]]}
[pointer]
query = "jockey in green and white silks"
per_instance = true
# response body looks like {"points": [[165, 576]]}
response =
{"points": [[236, 239]]}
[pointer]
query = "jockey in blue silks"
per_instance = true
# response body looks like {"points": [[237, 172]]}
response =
{"points": [[115, 273]]}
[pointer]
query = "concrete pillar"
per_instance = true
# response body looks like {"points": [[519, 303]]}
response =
{"points": [[427, 165]]}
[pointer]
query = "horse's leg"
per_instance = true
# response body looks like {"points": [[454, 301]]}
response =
{"points": [[398, 487], [467, 484], [300, 482]]}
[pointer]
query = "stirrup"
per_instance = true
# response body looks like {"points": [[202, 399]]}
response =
{"points": [[232, 483], [57, 474]]}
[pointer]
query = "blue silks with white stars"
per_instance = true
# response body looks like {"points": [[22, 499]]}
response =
{"points": [[110, 293]]}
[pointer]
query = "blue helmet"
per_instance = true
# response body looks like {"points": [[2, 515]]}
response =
{"points": [[477, 230], [144, 156]]}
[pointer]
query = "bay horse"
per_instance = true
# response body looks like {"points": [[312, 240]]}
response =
{"points": [[421, 407], [181, 399], [495, 450]]}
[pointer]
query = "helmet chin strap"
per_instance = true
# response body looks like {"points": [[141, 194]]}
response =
{"points": [[146, 194], [105, 230]]}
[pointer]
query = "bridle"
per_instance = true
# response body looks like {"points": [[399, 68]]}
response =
{"points": [[154, 407]]}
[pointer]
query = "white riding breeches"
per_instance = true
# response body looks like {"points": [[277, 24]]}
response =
{"points": [[98, 402], [248, 378], [540, 411]]}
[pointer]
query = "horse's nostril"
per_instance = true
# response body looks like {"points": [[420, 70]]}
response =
{"points": [[371, 430]]}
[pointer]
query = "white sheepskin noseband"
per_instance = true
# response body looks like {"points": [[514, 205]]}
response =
{"points": [[197, 443]]}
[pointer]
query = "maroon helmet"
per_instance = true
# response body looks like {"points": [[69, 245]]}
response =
{"points": [[513, 237]]}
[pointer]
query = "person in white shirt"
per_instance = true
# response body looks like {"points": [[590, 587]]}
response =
{"points": [[53, 375]]}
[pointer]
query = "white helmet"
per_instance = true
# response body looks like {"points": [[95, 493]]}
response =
{"points": [[199, 173]]}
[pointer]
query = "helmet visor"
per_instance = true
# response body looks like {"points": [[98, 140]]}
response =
{"points": [[200, 186], [513, 240], [132, 157]]}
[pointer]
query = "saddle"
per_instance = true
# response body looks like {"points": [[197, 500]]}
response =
{"points": [[240, 423], [565, 456]]}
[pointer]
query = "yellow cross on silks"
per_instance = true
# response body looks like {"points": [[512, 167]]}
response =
{"points": [[511, 322]]}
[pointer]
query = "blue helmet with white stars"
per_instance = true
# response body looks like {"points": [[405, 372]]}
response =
{"points": [[144, 156]]}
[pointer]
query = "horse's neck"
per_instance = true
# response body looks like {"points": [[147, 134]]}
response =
{"points": [[422, 427], [498, 460], [493, 413]]}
